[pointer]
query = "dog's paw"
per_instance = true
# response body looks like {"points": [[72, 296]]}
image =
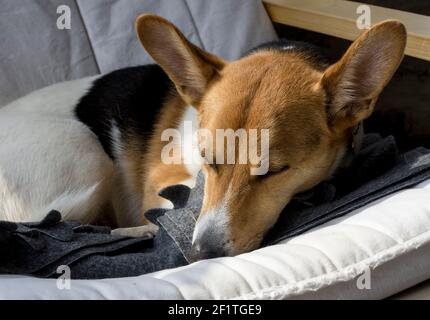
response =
{"points": [[148, 230]]}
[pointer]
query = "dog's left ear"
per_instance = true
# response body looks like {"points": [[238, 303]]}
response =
{"points": [[189, 67], [354, 83]]}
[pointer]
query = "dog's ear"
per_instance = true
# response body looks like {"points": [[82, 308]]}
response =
{"points": [[354, 83], [189, 67]]}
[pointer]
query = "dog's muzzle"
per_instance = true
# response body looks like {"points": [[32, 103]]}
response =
{"points": [[211, 242], [206, 251]]}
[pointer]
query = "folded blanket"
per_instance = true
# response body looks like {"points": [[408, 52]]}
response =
{"points": [[91, 252], [39, 248], [377, 171]]}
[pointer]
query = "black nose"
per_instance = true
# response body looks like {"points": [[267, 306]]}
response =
{"points": [[200, 251]]}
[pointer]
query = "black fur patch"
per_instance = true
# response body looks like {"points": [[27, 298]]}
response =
{"points": [[131, 98]]}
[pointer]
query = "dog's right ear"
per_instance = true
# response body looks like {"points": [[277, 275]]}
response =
{"points": [[189, 67]]}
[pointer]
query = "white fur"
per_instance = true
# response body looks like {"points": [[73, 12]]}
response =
{"points": [[216, 218], [288, 47], [141, 231], [213, 221], [190, 151], [50, 160], [115, 137]]}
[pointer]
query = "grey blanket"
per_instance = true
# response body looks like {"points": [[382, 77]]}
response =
{"points": [[91, 252]]}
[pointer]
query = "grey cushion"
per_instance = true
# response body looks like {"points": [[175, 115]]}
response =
{"points": [[35, 53]]}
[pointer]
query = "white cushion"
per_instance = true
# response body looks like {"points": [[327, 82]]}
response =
{"points": [[390, 237]]}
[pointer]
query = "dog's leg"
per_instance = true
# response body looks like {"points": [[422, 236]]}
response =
{"points": [[161, 176], [148, 230]]}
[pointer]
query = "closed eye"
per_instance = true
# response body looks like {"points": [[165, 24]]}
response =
{"points": [[271, 173]]}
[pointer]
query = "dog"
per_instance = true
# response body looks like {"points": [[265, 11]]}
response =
{"points": [[92, 149]]}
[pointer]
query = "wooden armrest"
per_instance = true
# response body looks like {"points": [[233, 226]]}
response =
{"points": [[338, 18]]}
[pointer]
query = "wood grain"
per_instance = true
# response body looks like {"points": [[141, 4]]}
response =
{"points": [[338, 18]]}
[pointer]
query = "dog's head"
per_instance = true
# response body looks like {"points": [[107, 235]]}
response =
{"points": [[310, 110]]}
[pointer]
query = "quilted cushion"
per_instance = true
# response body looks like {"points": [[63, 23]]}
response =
{"points": [[387, 240]]}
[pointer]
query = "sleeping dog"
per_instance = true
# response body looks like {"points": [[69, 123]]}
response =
{"points": [[97, 155]]}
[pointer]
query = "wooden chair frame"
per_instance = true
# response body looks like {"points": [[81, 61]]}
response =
{"points": [[339, 18]]}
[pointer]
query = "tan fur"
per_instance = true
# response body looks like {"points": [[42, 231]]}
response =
{"points": [[309, 110], [159, 175], [145, 170], [279, 92]]}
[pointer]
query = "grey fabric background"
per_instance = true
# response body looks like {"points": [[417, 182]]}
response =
{"points": [[34, 53]]}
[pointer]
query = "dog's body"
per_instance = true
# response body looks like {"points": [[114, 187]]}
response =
{"points": [[101, 154], [49, 159], [130, 132]]}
